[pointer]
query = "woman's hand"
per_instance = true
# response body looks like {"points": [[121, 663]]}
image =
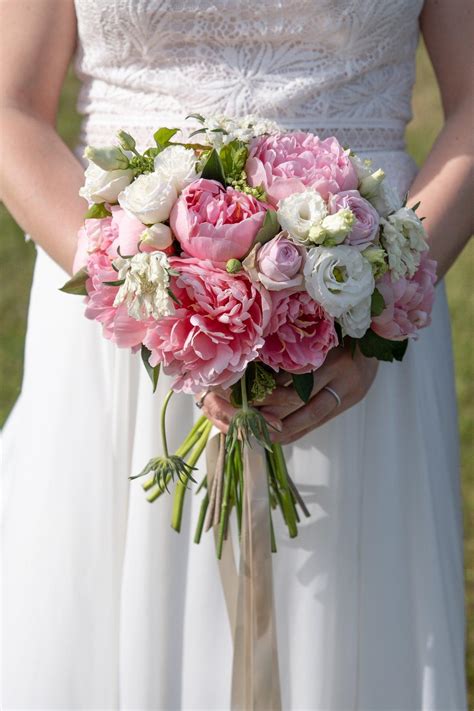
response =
{"points": [[349, 376], [217, 407]]}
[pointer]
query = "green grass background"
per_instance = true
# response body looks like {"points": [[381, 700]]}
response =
{"points": [[17, 259]]}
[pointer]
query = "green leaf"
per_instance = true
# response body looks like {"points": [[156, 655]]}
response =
{"points": [[213, 169], [378, 303], [198, 117], [118, 282], [234, 156], [151, 152], [303, 385], [374, 346], [163, 136], [97, 212], [153, 372], [77, 283], [269, 229], [416, 206]]}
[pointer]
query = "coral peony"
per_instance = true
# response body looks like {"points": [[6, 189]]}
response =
{"points": [[408, 302], [215, 223], [290, 162], [299, 333], [215, 331]]}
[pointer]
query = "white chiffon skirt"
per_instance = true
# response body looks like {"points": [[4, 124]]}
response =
{"points": [[106, 607]]}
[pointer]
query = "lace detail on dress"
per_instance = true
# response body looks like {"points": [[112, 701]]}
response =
{"points": [[343, 67]]}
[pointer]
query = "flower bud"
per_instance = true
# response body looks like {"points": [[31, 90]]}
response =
{"points": [[370, 186], [158, 236], [233, 266], [127, 141], [107, 158], [376, 256], [333, 229]]}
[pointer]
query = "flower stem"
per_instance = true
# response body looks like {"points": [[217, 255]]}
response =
{"points": [[224, 510], [164, 441], [243, 388], [287, 501], [202, 516]]}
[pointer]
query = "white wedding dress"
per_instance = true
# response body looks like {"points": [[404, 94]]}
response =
{"points": [[104, 605]]}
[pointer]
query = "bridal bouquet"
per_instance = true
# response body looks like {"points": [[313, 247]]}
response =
{"points": [[237, 253]]}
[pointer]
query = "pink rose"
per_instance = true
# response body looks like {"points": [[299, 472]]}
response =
{"points": [[214, 223], [117, 325], [95, 235], [214, 333], [408, 303], [367, 219], [279, 263], [288, 163], [299, 334]]}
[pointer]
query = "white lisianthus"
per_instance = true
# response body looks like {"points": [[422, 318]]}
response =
{"points": [[374, 188], [150, 198], [403, 237], [158, 236], [299, 212], [107, 158], [104, 185], [338, 278], [177, 165], [356, 320], [146, 287], [333, 229]]}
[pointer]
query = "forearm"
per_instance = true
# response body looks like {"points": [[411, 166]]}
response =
{"points": [[39, 183], [444, 186]]}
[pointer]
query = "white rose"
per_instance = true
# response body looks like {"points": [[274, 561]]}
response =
{"points": [[150, 198], [356, 320], [338, 278], [158, 236], [299, 212], [403, 237], [145, 290], [177, 165], [104, 185]]}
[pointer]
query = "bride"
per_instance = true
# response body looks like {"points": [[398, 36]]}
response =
{"points": [[104, 606]]}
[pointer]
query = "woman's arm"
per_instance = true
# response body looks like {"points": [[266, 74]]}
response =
{"points": [[39, 176], [445, 184]]}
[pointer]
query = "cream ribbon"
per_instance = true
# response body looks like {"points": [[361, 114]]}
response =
{"points": [[249, 594]]}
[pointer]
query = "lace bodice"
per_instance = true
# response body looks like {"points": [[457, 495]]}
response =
{"points": [[330, 66]]}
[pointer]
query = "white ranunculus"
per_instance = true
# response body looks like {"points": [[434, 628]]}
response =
{"points": [[145, 290], [333, 229], [177, 165], [403, 238], [356, 320], [338, 278], [104, 185], [299, 212], [150, 198], [158, 236]]}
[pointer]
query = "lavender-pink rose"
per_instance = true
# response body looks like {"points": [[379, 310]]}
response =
{"points": [[367, 219], [279, 263]]}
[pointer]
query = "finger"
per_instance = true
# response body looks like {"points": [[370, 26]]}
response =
{"points": [[306, 418], [218, 410]]}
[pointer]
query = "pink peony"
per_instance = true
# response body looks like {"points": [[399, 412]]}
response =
{"points": [[299, 334], [214, 333], [408, 303], [129, 232], [95, 235], [215, 223], [289, 163], [117, 325], [367, 219], [279, 263]]}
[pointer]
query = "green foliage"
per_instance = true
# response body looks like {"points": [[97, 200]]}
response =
{"points": [[97, 211], [378, 303], [374, 346], [233, 157], [77, 283], [269, 229], [303, 385], [213, 168], [153, 371], [163, 136]]}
